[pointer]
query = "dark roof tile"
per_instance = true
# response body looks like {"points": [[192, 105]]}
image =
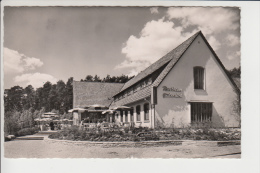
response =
{"points": [[89, 93], [141, 94]]}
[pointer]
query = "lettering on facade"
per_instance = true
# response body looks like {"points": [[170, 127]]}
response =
{"points": [[176, 92], [165, 88], [172, 95]]}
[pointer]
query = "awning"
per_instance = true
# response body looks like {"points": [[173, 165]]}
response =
{"points": [[121, 108], [199, 101], [108, 111], [77, 109]]}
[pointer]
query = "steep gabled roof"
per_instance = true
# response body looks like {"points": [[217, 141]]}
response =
{"points": [[141, 94], [89, 93], [174, 54]]}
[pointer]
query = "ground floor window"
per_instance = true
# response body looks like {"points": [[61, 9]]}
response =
{"points": [[146, 111], [138, 115], [201, 112], [132, 114], [121, 116]]}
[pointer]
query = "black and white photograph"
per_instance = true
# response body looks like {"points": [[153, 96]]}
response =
{"points": [[122, 82]]}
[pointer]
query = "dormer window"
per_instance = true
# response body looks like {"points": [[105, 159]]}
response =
{"points": [[198, 74]]}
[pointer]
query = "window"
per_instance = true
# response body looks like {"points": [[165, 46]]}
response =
{"points": [[198, 73], [121, 116], [201, 112], [126, 116], [128, 92], [131, 114], [135, 88], [146, 111], [138, 116], [150, 81]]}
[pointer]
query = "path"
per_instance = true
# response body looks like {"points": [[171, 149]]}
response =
{"points": [[51, 149]]}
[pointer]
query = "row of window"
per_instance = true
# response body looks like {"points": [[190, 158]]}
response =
{"points": [[138, 113], [200, 112], [134, 89]]}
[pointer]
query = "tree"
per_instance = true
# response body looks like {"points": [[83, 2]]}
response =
{"points": [[61, 94], [39, 99], [46, 91], [235, 72], [89, 78], [107, 78], [11, 125], [68, 102], [97, 79], [13, 99], [53, 98], [237, 107], [29, 97]]}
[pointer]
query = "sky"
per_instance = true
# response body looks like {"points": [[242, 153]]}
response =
{"points": [[54, 43]]}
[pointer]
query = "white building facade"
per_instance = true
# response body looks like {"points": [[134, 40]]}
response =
{"points": [[189, 86]]}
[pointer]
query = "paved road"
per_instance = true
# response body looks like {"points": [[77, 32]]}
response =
{"points": [[51, 149]]}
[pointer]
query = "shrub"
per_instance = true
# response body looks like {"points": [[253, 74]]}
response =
{"points": [[145, 134], [27, 131]]}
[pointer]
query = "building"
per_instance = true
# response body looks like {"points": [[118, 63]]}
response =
{"points": [[189, 86], [91, 93]]}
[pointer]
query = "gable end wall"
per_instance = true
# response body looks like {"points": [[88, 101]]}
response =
{"points": [[175, 112]]}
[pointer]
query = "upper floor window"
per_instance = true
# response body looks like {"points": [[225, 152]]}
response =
{"points": [[135, 88], [198, 73]]}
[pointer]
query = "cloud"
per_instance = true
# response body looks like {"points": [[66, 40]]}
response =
{"points": [[214, 43], [233, 55], [232, 40], [154, 10], [209, 20], [15, 62], [35, 79], [156, 39]]}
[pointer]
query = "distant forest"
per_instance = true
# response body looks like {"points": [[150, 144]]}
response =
{"points": [[50, 97]]}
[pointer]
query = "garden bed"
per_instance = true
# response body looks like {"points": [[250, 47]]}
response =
{"points": [[75, 133]]}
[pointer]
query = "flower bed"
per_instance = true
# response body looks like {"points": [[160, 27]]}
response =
{"points": [[145, 134]]}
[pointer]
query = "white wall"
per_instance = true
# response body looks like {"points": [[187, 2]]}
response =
{"points": [[175, 112]]}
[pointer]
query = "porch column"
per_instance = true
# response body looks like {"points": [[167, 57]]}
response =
{"points": [[134, 112], [142, 113]]}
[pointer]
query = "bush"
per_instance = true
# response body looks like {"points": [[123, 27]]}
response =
{"points": [[145, 134], [27, 131]]}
